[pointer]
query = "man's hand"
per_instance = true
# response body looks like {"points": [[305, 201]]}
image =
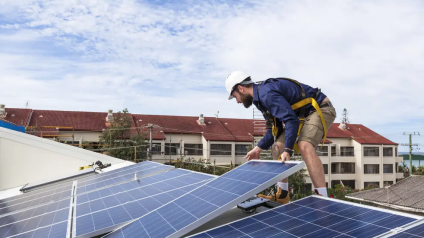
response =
{"points": [[285, 156], [253, 154]]}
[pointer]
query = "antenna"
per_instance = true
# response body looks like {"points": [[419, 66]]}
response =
{"points": [[217, 113], [26, 104]]}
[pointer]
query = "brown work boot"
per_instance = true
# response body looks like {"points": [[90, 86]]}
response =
{"points": [[278, 197]]}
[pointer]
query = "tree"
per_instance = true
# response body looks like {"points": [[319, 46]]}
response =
{"points": [[120, 138], [345, 116]]}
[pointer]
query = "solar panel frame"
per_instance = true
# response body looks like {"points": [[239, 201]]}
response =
{"points": [[117, 226], [403, 231], [297, 165], [269, 212]]}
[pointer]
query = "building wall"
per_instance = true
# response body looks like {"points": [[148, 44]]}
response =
{"points": [[20, 153], [360, 161]]}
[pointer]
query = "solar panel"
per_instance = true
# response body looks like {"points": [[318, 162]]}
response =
{"points": [[94, 182], [58, 188], [70, 177], [314, 217], [409, 231], [100, 182], [104, 210], [51, 220], [210, 200]]}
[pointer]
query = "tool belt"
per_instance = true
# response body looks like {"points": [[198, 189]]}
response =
{"points": [[271, 121]]}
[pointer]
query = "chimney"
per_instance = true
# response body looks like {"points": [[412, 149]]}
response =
{"points": [[2, 111], [109, 118], [201, 120], [342, 126]]}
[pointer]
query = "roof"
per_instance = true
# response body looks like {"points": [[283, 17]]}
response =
{"points": [[408, 193], [359, 133], [18, 116], [214, 129]]}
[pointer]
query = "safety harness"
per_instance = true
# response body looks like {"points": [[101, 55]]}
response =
{"points": [[299, 105]]}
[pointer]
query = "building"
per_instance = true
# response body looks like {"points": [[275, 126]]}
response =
{"points": [[407, 195], [353, 154]]}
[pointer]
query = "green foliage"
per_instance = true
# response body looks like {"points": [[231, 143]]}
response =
{"points": [[203, 166], [120, 140], [340, 192]]}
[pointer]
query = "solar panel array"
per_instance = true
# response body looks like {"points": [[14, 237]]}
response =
{"points": [[47, 212], [102, 211], [314, 217], [64, 191], [26, 222], [208, 201]]}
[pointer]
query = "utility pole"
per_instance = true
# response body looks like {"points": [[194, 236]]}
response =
{"points": [[410, 149], [150, 142]]}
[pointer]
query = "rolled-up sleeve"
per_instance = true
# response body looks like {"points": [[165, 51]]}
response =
{"points": [[279, 107]]}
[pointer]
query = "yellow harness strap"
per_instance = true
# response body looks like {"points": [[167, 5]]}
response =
{"points": [[314, 103]]}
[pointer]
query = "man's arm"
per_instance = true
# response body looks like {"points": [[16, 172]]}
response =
{"points": [[279, 107], [266, 141]]}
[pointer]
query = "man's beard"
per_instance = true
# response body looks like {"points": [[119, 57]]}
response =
{"points": [[247, 100]]}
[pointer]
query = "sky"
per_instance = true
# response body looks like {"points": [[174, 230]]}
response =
{"points": [[172, 57]]}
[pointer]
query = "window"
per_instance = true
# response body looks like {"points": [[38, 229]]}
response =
{"points": [[322, 151], [347, 168], [396, 153], [342, 168], [156, 148], [347, 151], [220, 149], [193, 149], [387, 183], [371, 185], [388, 151], [171, 149], [325, 166], [371, 151], [346, 183], [241, 149], [333, 150], [388, 168], [371, 168]]}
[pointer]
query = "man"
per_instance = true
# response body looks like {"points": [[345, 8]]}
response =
{"points": [[283, 101]]}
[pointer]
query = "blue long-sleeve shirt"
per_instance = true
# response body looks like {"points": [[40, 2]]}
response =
{"points": [[276, 96]]}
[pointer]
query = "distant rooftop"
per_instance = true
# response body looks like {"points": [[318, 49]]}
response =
{"points": [[407, 194]]}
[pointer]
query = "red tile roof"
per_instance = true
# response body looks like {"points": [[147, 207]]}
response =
{"points": [[215, 129], [359, 133], [18, 116]]}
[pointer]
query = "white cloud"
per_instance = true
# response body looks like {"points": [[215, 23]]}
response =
{"points": [[367, 56]]}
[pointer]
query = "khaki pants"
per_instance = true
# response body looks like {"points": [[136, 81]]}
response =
{"points": [[313, 131]]}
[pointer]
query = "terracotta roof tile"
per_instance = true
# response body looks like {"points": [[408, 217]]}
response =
{"points": [[18, 116], [359, 133]]}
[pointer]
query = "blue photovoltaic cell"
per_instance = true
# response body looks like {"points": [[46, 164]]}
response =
{"points": [[313, 217], [94, 182], [102, 210], [34, 219], [52, 231], [198, 205]]}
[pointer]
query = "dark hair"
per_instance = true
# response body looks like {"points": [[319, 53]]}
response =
{"points": [[235, 88]]}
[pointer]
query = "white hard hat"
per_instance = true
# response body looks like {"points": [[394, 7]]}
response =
{"points": [[236, 77]]}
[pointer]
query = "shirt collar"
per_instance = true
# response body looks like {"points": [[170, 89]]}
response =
{"points": [[255, 93]]}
